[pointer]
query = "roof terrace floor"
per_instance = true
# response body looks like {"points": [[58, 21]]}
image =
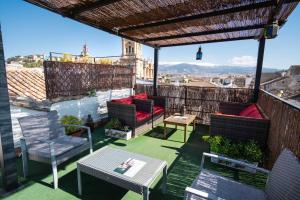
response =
{"points": [[183, 161]]}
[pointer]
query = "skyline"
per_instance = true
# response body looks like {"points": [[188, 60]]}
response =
{"points": [[28, 29]]}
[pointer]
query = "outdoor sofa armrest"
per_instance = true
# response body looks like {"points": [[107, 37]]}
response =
{"points": [[88, 130], [232, 161], [199, 193], [159, 101], [124, 112], [231, 108], [145, 105]]}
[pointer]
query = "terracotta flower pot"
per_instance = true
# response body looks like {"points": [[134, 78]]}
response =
{"points": [[77, 133]]}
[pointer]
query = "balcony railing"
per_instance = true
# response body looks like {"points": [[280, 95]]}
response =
{"points": [[201, 101]]}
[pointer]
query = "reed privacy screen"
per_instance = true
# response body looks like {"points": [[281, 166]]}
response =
{"points": [[64, 79]]}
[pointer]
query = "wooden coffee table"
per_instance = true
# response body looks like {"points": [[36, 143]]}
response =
{"points": [[179, 120]]}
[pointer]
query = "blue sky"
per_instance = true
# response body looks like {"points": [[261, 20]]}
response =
{"points": [[28, 29]]}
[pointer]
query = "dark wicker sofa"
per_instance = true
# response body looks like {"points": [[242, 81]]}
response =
{"points": [[139, 112], [232, 123]]}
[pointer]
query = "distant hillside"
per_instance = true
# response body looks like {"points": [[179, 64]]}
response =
{"points": [[185, 68]]}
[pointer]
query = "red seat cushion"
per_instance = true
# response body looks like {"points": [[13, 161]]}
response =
{"points": [[141, 116], [158, 110], [127, 100], [143, 96], [251, 111]]}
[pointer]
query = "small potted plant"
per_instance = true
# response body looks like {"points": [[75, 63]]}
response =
{"points": [[115, 128], [248, 152], [72, 120]]}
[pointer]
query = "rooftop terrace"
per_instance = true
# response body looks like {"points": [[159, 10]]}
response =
{"points": [[157, 24]]}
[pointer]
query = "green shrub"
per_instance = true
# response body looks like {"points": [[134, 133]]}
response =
{"points": [[114, 123], [68, 120], [248, 150], [252, 151]]}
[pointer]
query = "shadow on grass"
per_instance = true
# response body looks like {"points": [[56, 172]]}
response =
{"points": [[158, 132], [183, 170]]}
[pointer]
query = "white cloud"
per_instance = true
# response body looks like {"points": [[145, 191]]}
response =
{"points": [[207, 64], [243, 61]]}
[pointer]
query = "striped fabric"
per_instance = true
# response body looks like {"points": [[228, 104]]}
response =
{"points": [[41, 127], [223, 188], [284, 179]]}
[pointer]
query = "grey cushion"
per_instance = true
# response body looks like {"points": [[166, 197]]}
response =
{"points": [[284, 179], [61, 145], [224, 188]]}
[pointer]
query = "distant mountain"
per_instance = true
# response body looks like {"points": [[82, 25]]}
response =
{"points": [[186, 68]]}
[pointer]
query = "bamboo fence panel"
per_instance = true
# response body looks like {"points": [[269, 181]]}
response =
{"points": [[201, 101], [284, 126], [64, 79]]}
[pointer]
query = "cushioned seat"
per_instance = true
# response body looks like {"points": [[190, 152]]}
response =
{"points": [[141, 116], [224, 188], [158, 110], [61, 145]]}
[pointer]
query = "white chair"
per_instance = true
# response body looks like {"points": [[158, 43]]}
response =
{"points": [[44, 140]]}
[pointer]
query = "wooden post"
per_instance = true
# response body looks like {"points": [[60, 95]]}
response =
{"points": [[260, 59], [7, 152], [155, 71]]}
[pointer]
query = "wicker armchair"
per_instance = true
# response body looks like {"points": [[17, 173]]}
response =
{"points": [[159, 109], [282, 183], [138, 116], [228, 123]]}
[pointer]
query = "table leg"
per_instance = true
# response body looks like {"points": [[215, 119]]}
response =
{"points": [[165, 173], [184, 133], [176, 126], [79, 181], [146, 193], [165, 131]]}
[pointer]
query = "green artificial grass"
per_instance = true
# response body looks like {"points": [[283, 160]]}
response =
{"points": [[183, 167]]}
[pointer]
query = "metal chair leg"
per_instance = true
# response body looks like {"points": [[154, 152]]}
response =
{"points": [[24, 157], [54, 167]]}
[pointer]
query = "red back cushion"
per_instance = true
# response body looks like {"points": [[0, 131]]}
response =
{"points": [[127, 100], [141, 96], [251, 111]]}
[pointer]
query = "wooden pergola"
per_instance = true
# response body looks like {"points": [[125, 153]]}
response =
{"points": [[167, 23]]}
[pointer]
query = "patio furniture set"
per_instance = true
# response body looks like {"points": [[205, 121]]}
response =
{"points": [[141, 112], [45, 141]]}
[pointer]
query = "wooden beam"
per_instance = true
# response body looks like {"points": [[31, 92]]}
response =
{"points": [[8, 162], [209, 41], [156, 54], [89, 6], [260, 59], [201, 16], [206, 15], [211, 32]]}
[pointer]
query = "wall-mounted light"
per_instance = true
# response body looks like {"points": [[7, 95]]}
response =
{"points": [[271, 31]]}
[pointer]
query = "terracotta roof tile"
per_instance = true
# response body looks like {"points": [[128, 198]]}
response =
{"points": [[24, 82]]}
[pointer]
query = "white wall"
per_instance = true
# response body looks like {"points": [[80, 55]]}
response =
{"points": [[96, 106]]}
